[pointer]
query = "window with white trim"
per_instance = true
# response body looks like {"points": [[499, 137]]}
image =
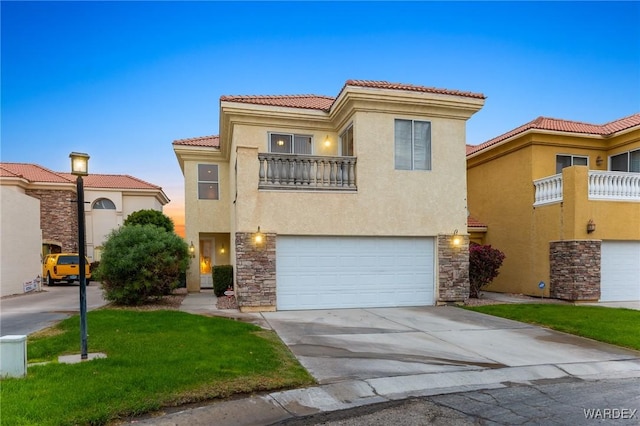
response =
{"points": [[625, 162], [346, 142], [103, 204], [289, 143], [563, 161], [208, 184], [412, 145]]}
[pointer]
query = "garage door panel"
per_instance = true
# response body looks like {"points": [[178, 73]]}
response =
{"points": [[620, 271], [347, 272]]}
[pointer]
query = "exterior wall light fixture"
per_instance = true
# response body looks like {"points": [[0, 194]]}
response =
{"points": [[192, 250], [599, 161], [591, 226], [222, 250], [456, 240], [258, 237], [327, 141]]}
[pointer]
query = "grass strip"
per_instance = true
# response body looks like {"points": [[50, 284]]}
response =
{"points": [[154, 359], [617, 326]]}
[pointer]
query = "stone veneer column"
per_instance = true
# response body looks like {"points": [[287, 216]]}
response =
{"points": [[58, 216], [575, 269], [255, 273], [453, 269]]}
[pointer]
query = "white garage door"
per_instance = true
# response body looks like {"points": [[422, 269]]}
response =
{"points": [[353, 272], [620, 271]]}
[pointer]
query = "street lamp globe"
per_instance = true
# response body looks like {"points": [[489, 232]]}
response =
{"points": [[79, 163]]}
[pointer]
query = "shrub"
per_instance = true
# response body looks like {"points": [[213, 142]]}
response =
{"points": [[141, 262], [222, 279], [484, 262], [150, 217]]}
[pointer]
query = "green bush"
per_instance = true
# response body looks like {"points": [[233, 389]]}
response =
{"points": [[140, 263], [150, 217], [222, 279], [484, 262]]}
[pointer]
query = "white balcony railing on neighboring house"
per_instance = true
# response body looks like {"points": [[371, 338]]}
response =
{"points": [[614, 186], [306, 172], [548, 190]]}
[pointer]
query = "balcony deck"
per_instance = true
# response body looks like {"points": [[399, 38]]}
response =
{"points": [[306, 172], [602, 185]]}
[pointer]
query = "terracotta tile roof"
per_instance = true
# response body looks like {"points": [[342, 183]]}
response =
{"points": [[557, 125], [112, 181], [322, 103], [32, 173], [206, 141], [38, 174], [472, 222], [410, 87]]}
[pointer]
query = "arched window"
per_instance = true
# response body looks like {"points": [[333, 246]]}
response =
{"points": [[104, 204]]}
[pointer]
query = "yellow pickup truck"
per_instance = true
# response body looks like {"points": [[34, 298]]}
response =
{"points": [[63, 267]]}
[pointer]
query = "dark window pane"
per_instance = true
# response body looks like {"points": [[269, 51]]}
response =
{"points": [[207, 172], [562, 161], [620, 162], [208, 191], [280, 143], [403, 154]]}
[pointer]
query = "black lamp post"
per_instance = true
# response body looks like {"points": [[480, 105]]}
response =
{"points": [[79, 168]]}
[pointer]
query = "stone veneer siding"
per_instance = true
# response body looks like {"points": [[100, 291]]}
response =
{"points": [[453, 269], [58, 216], [575, 269], [255, 273]]}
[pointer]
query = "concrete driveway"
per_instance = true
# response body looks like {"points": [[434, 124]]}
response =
{"points": [[27, 313], [432, 344]]}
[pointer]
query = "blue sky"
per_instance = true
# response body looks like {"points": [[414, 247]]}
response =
{"points": [[122, 80]]}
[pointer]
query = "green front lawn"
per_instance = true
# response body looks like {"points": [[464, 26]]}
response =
{"points": [[611, 325], [154, 359]]}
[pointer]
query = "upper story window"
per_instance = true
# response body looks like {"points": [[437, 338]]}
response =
{"points": [[412, 145], [346, 142], [563, 161], [288, 143], [208, 184], [103, 204], [625, 162]]}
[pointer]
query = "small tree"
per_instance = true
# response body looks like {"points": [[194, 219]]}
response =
{"points": [[150, 217], [484, 262], [141, 262]]}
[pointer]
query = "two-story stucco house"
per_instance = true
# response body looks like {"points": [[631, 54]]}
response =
{"points": [[323, 202], [562, 200], [39, 216]]}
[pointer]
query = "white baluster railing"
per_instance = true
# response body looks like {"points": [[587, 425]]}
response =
{"points": [[548, 190], [621, 186], [312, 172]]}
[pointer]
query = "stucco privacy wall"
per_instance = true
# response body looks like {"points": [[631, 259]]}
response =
{"points": [[21, 242], [575, 269]]}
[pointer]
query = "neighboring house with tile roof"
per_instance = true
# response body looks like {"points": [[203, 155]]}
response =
{"points": [[39, 215], [329, 202], [562, 200]]}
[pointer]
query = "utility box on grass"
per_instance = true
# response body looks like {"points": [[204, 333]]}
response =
{"points": [[13, 356]]}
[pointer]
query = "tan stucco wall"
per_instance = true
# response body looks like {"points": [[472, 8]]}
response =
{"points": [[387, 202], [21, 242], [501, 194]]}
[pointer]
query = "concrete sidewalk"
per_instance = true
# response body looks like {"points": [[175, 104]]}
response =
{"points": [[435, 350]]}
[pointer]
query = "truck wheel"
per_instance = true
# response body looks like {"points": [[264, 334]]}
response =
{"points": [[50, 281]]}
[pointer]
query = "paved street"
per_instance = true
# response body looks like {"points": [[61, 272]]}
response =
{"points": [[31, 312], [566, 402]]}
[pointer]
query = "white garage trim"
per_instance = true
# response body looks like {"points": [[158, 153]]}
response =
{"points": [[353, 272], [620, 271]]}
